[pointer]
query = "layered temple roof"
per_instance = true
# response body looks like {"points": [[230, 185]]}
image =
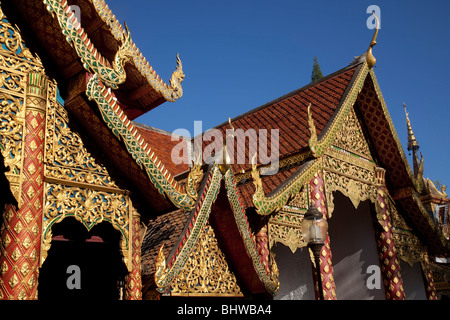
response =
{"points": [[106, 82]]}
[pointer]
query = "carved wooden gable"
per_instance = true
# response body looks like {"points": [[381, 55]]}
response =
{"points": [[351, 137], [206, 272]]}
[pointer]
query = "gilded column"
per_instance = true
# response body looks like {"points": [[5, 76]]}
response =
{"points": [[429, 282], [21, 229], [133, 281], [390, 266], [317, 194]]}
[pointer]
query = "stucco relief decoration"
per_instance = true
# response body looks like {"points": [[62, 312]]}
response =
{"points": [[355, 182], [285, 225], [66, 157], [206, 271]]}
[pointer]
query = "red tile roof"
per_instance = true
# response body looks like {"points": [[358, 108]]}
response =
{"points": [[164, 230], [289, 115], [161, 143]]}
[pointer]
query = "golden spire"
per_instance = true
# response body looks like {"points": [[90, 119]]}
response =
{"points": [[412, 142], [369, 56], [413, 146]]}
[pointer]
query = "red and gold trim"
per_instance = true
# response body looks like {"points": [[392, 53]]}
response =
{"points": [[21, 230], [133, 281], [430, 288], [387, 253], [317, 194]]}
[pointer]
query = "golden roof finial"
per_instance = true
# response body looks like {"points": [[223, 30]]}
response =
{"points": [[225, 163], [412, 142], [369, 56]]}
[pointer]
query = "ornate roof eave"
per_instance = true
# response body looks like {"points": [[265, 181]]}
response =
{"points": [[170, 92], [411, 193], [432, 193], [137, 147], [112, 73], [168, 269]]}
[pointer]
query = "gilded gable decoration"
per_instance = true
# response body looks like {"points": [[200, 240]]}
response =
{"points": [[265, 205], [16, 61], [112, 74], [66, 157], [351, 137], [206, 272], [166, 273]]}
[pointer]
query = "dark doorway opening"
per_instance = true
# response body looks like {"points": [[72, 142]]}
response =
{"points": [[82, 264]]}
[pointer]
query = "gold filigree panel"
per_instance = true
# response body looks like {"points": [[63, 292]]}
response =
{"points": [[16, 62], [14, 55], [409, 247], [351, 136], [66, 156], [285, 227], [206, 272], [354, 179], [88, 206]]}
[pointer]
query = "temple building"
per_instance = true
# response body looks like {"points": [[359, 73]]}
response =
{"points": [[94, 207]]}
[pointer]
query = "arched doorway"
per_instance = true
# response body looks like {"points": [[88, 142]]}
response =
{"points": [[82, 264]]}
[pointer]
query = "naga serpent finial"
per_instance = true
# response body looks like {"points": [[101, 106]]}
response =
{"points": [[369, 57]]}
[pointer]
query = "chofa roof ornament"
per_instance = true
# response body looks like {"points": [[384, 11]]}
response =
{"points": [[369, 56]]}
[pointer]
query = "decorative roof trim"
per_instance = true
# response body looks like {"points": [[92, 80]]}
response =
{"points": [[326, 136], [417, 182], [265, 205], [164, 275], [270, 279], [112, 74], [170, 93], [124, 129]]}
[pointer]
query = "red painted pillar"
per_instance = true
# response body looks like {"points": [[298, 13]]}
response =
{"points": [[390, 266], [133, 281], [317, 194], [21, 231]]}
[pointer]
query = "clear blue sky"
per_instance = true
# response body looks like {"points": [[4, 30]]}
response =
{"points": [[238, 55]]}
